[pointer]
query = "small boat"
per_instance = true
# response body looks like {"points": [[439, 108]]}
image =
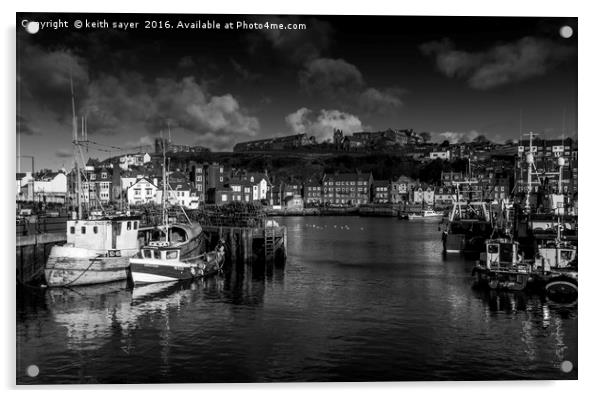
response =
{"points": [[502, 267], [162, 261], [98, 250], [425, 214], [177, 255], [555, 270]]}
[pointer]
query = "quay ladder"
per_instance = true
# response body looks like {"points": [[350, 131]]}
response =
{"points": [[270, 243]]}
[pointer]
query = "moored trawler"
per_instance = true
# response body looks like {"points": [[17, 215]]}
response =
{"points": [[502, 267], [98, 250], [468, 227], [171, 260]]}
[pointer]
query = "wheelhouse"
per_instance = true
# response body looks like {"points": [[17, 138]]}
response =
{"points": [[157, 251]]}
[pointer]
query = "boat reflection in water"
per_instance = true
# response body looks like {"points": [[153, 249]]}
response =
{"points": [[543, 324]]}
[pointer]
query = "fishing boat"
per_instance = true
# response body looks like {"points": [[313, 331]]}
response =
{"points": [[161, 261], [176, 255], [467, 228], [98, 250], [555, 269], [426, 214], [502, 267], [98, 246]]}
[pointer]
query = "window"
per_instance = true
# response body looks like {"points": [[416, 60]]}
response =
{"points": [[147, 254], [95, 229], [72, 230], [129, 225], [221, 179], [224, 198], [83, 230], [103, 175], [135, 224], [157, 254], [172, 255]]}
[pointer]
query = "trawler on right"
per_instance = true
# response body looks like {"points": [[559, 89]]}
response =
{"points": [[533, 241]]}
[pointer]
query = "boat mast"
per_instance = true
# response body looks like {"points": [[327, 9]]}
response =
{"points": [[164, 192], [75, 152], [530, 162]]}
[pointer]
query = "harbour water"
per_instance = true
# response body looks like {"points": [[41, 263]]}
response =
{"points": [[360, 299]]}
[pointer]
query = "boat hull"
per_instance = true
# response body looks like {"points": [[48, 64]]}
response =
{"points": [[153, 273], [511, 281], [68, 266], [150, 271], [562, 290]]}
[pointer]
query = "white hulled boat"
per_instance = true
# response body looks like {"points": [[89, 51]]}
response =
{"points": [[177, 256], [426, 214], [98, 248]]}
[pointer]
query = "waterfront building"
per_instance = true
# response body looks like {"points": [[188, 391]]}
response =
{"points": [[347, 188], [423, 194], [451, 178], [401, 189], [293, 202], [381, 191], [312, 191], [445, 196]]}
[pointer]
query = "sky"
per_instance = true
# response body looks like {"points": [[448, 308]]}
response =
{"points": [[455, 77]]}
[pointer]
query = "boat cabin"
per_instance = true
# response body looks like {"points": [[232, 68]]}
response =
{"points": [[502, 254], [553, 256], [113, 237], [160, 251]]}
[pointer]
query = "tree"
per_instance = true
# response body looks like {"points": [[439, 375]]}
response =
{"points": [[426, 136]]}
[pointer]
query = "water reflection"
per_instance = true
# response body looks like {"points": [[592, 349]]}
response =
{"points": [[371, 299]]}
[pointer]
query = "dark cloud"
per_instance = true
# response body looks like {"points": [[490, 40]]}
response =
{"points": [[186, 62], [341, 82], [183, 103], [44, 77], [116, 103], [244, 73], [331, 78], [297, 46], [376, 101], [501, 64]]}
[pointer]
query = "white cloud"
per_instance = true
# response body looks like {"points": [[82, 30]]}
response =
{"points": [[455, 137], [321, 125]]}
